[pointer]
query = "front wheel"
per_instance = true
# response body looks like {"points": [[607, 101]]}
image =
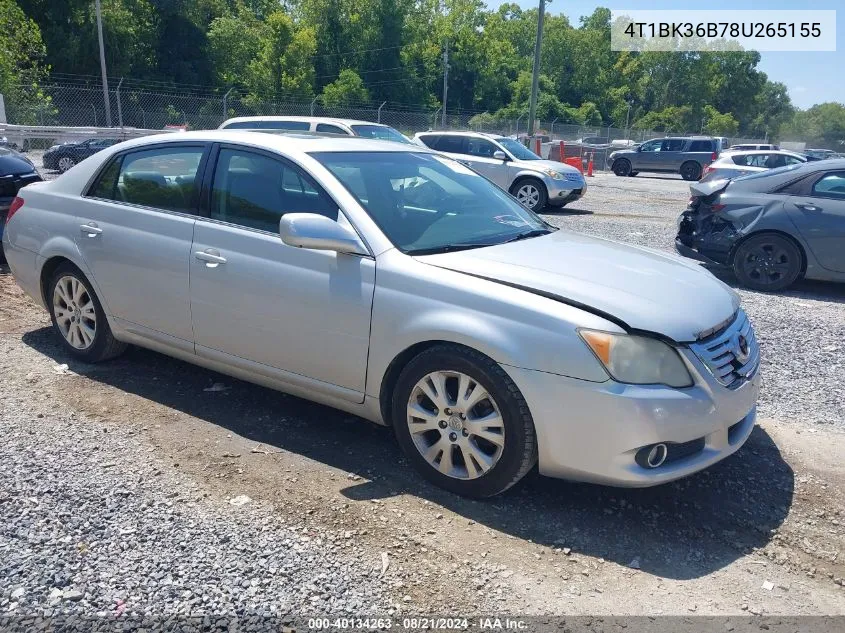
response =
{"points": [[462, 422], [622, 167], [530, 193], [767, 262], [79, 318]]}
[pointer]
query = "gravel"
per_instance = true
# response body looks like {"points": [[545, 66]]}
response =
{"points": [[801, 331], [89, 528]]}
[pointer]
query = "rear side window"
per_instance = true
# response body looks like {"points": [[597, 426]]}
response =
{"points": [[450, 143], [163, 178], [672, 145], [331, 129], [701, 146], [430, 140], [831, 185], [255, 191]]}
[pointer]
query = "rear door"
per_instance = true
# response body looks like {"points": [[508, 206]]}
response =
{"points": [[671, 154], [480, 157], [820, 217], [136, 225], [295, 314]]}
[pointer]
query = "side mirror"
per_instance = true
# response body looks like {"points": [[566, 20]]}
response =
{"points": [[500, 155], [311, 230]]}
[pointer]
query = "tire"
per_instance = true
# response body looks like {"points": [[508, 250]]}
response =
{"points": [[690, 170], [531, 193], [493, 466], [622, 167], [78, 317], [633, 173], [65, 163], [767, 262]]}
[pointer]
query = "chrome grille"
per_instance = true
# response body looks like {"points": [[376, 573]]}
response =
{"points": [[731, 354], [572, 176]]}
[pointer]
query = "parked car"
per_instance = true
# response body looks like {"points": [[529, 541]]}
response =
{"points": [[593, 141], [317, 125], [530, 179], [820, 154], [16, 171], [395, 283], [733, 164], [687, 156], [64, 156], [750, 147], [770, 228]]}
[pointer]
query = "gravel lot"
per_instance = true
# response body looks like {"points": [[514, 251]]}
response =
{"points": [[119, 480]]}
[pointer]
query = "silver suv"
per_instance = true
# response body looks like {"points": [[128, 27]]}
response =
{"points": [[687, 156], [530, 179]]}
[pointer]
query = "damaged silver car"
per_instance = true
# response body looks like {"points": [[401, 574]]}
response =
{"points": [[770, 228]]}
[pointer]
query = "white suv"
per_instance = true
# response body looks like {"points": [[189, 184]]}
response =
{"points": [[318, 125], [533, 181]]}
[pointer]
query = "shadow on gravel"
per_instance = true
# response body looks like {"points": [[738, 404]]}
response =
{"points": [[811, 290], [683, 530], [564, 211]]}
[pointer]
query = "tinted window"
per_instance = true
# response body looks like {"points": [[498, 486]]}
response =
{"points": [[254, 190], [106, 185], [480, 147], [269, 125], [651, 146], [701, 146], [331, 129], [380, 132], [831, 185], [430, 140], [672, 145], [451, 143], [164, 178]]}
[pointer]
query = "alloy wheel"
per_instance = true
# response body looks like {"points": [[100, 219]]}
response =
{"points": [[528, 195], [767, 264], [455, 424], [75, 313], [66, 163]]}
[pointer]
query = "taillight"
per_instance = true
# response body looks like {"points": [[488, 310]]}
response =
{"points": [[717, 207], [17, 203], [714, 156]]}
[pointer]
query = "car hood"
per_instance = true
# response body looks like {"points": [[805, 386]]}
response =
{"points": [[537, 165], [643, 288]]}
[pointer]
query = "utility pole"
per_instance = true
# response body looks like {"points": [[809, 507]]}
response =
{"points": [[445, 82], [103, 62], [535, 79]]}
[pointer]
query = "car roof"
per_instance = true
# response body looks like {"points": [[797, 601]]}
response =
{"points": [[460, 133], [766, 152], [290, 143], [300, 119]]}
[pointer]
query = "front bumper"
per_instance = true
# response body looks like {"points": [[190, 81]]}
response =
{"points": [[589, 431], [562, 192]]}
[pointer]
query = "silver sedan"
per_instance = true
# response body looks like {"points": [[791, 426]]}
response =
{"points": [[399, 285]]}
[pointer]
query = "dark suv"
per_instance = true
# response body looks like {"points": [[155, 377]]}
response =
{"points": [[687, 156]]}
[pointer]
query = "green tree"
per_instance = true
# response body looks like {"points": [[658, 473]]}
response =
{"points": [[347, 89], [284, 64], [22, 67], [718, 124]]}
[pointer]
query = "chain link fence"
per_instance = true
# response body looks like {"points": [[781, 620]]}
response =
{"points": [[153, 108]]}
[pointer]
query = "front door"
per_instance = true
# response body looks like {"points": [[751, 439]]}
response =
{"points": [[136, 225], [296, 312], [480, 157], [820, 217]]}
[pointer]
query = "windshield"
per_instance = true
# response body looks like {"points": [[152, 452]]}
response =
{"points": [[427, 203], [519, 151], [380, 132]]}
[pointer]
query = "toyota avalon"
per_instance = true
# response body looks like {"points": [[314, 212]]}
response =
{"points": [[397, 284]]}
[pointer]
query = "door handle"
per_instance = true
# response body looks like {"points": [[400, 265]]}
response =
{"points": [[90, 230], [808, 207], [211, 257]]}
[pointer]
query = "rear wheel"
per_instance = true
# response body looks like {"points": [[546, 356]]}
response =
{"points": [[531, 193], [622, 167], [767, 262], [691, 170], [462, 422], [633, 173], [78, 317]]}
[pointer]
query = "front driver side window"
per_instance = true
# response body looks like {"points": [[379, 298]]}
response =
{"points": [[255, 191], [651, 146]]}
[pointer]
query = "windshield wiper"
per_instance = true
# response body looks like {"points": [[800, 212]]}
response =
{"points": [[445, 248], [527, 235]]}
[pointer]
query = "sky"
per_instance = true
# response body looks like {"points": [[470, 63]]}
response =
{"points": [[810, 77]]}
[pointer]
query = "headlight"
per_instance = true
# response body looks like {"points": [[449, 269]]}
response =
{"points": [[551, 173], [638, 360]]}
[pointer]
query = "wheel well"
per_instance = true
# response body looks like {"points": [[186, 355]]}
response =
{"points": [[524, 178], [47, 271], [787, 236], [391, 376]]}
